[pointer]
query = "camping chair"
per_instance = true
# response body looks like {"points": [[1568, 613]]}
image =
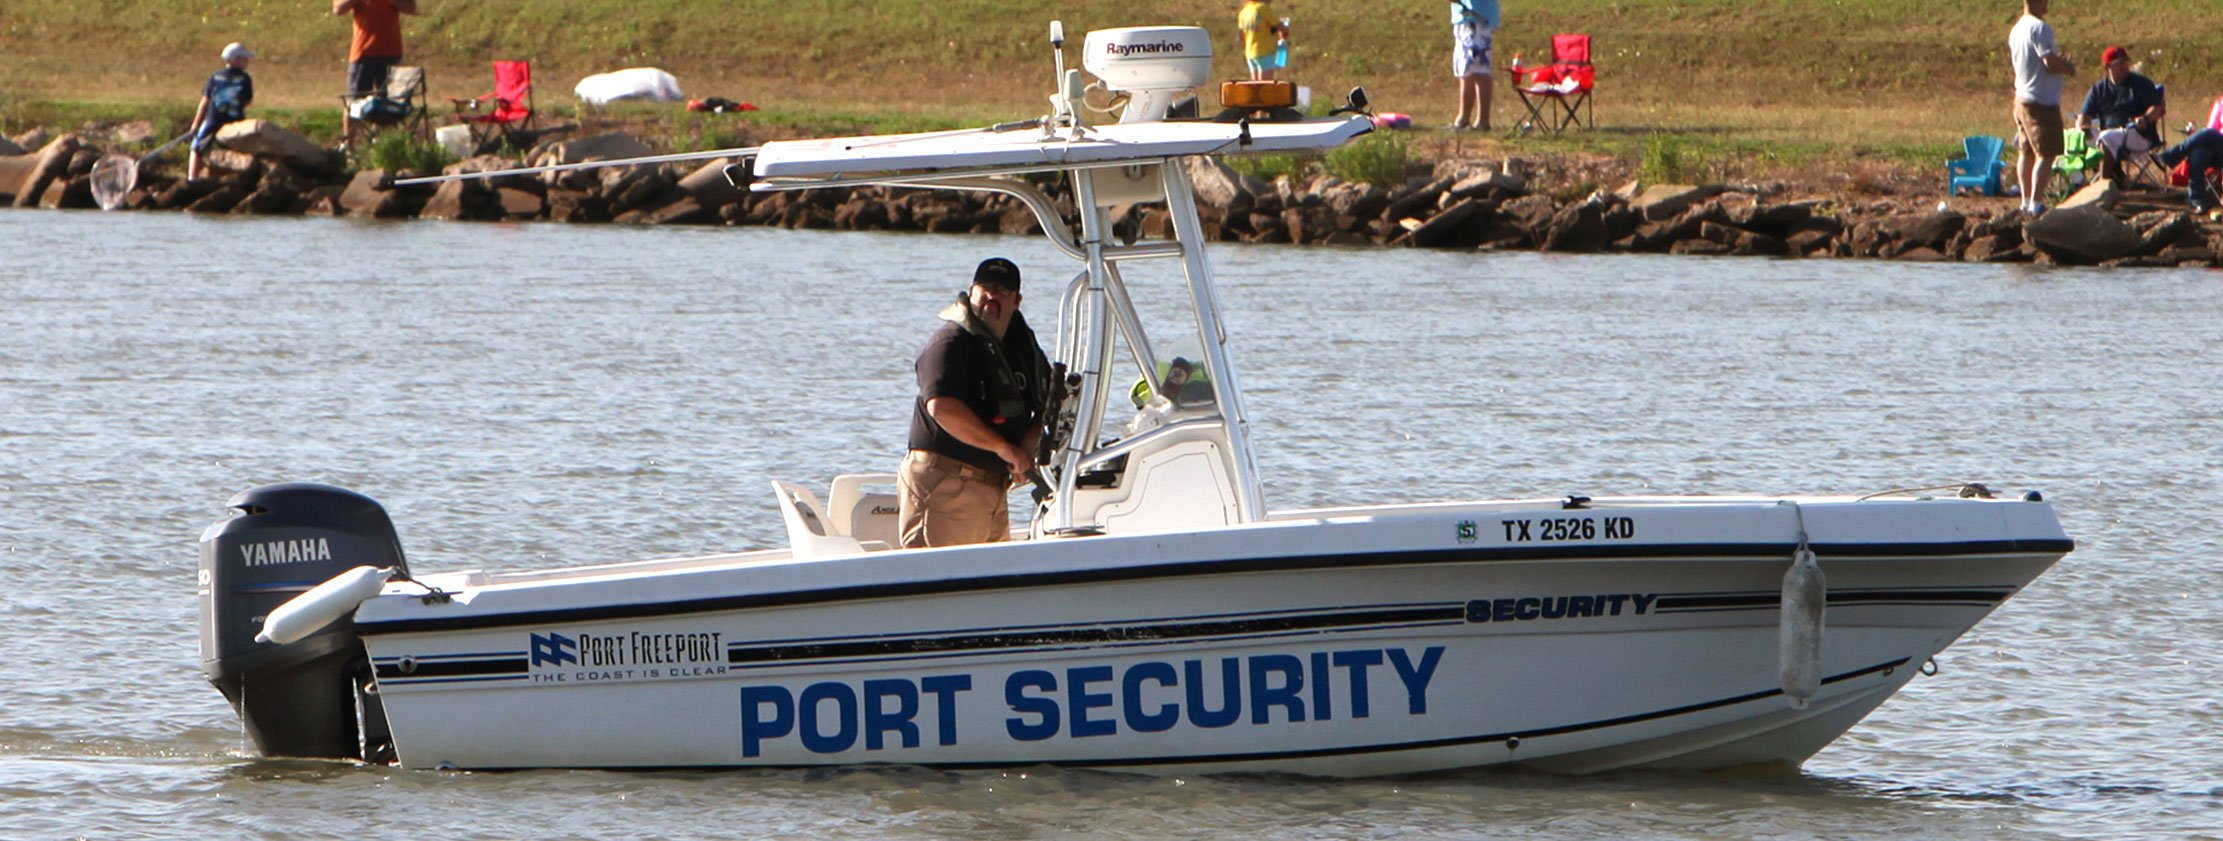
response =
{"points": [[2079, 162], [2181, 176], [492, 116], [1979, 168], [1567, 81], [400, 104], [2143, 168]]}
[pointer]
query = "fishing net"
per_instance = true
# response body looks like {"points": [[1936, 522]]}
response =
{"points": [[116, 173], [113, 177]]}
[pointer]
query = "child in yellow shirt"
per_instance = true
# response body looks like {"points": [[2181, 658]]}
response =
{"points": [[1257, 22]]}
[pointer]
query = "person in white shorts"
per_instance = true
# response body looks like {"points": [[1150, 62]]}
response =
{"points": [[1473, 29]]}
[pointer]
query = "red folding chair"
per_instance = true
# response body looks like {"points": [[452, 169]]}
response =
{"points": [[2181, 176], [1566, 81], [510, 105]]}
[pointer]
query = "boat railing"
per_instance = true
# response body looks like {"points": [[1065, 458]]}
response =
{"points": [[1130, 444], [1586, 502], [629, 568]]}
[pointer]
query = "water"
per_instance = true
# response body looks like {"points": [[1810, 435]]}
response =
{"points": [[542, 394]]}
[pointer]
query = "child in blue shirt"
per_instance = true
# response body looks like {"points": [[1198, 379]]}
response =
{"points": [[1473, 31], [224, 99]]}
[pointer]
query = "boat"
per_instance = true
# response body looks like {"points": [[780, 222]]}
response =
{"points": [[1156, 615]]}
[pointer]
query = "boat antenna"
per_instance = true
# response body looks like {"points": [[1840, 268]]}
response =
{"points": [[1060, 105], [1057, 46]]}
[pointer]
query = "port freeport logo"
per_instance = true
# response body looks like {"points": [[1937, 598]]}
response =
{"points": [[581, 658], [1123, 50], [554, 650]]}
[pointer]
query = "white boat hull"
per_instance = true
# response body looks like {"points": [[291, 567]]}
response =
{"points": [[1284, 646]]}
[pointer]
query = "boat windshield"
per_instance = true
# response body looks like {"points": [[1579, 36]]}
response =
{"points": [[1164, 366], [1184, 380]]}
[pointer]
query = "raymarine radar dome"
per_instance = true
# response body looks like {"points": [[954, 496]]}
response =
{"points": [[1142, 58], [1155, 63]]}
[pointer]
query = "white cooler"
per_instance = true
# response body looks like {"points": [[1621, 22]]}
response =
{"points": [[457, 140]]}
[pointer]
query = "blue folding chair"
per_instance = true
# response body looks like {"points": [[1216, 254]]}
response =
{"points": [[1980, 168]]}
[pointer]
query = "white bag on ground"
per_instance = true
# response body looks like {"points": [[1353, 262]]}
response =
{"points": [[647, 83]]}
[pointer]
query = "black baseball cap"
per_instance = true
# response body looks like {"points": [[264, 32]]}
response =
{"points": [[997, 271]]}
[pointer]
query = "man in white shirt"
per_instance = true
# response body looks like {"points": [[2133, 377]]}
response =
{"points": [[2040, 68]]}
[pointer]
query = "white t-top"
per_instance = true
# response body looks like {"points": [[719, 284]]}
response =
{"points": [[956, 152], [2027, 45]]}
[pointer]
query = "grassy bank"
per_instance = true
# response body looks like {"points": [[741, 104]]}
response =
{"points": [[1757, 86]]}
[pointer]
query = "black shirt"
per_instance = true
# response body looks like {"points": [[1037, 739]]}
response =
{"points": [[959, 363]]}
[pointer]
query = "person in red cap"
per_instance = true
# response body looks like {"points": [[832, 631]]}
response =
{"points": [[2123, 99]]}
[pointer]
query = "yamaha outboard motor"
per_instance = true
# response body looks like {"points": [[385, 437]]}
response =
{"points": [[302, 699]]}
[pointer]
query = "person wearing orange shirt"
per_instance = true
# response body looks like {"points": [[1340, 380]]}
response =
{"points": [[374, 51]]}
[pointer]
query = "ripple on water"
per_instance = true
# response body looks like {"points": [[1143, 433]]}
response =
{"points": [[630, 398]]}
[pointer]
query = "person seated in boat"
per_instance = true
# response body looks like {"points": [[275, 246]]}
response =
{"points": [[983, 382], [1177, 379], [1185, 385]]}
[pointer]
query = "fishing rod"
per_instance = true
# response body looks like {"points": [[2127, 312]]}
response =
{"points": [[743, 152]]}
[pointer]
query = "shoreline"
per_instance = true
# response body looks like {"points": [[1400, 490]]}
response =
{"points": [[1507, 203]]}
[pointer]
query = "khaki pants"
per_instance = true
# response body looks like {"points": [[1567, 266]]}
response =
{"points": [[2038, 130], [946, 502]]}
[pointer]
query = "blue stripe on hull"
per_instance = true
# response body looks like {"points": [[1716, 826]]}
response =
{"points": [[1006, 581]]}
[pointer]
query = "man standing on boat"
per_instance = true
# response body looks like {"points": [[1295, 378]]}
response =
{"points": [[983, 382]]}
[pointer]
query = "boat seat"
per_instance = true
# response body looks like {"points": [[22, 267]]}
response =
{"points": [[870, 516], [807, 532]]}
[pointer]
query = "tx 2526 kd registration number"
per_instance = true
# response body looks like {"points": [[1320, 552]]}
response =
{"points": [[1546, 529]]}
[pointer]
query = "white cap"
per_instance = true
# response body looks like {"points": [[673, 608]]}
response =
{"points": [[237, 50]]}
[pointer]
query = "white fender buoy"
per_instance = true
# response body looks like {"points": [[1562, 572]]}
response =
{"points": [[1799, 638], [323, 604]]}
